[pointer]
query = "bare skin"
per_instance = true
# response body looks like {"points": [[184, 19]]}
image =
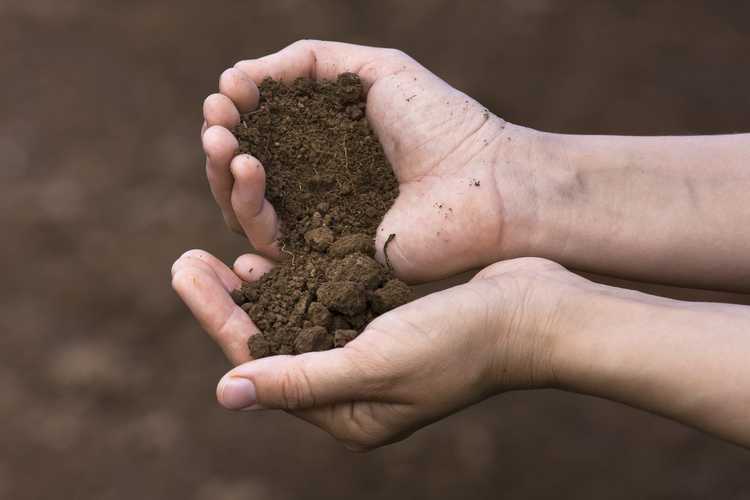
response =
{"points": [[670, 210], [648, 208]]}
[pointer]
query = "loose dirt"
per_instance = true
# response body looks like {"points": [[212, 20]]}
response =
{"points": [[330, 183]]}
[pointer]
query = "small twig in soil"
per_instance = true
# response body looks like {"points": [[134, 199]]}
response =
{"points": [[283, 249], [388, 240], [346, 157], [268, 143]]}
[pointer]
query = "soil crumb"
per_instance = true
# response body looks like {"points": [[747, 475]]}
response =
{"points": [[330, 183]]}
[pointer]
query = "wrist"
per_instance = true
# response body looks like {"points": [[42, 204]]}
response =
{"points": [[535, 309], [537, 186]]}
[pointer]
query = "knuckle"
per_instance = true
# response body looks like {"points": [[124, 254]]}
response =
{"points": [[295, 390]]}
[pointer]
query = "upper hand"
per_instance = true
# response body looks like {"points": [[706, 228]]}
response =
{"points": [[444, 147]]}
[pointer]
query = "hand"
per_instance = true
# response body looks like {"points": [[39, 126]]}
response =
{"points": [[411, 366], [449, 153]]}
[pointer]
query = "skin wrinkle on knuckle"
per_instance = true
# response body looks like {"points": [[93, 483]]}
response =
{"points": [[295, 389], [378, 62], [222, 333], [308, 48]]}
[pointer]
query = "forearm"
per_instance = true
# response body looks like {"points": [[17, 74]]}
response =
{"points": [[660, 209], [686, 361]]}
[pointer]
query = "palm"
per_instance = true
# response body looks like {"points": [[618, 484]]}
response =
{"points": [[442, 146]]}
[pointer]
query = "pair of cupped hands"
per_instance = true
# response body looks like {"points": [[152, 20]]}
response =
{"points": [[440, 353]]}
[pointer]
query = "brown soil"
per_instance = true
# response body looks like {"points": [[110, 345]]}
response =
{"points": [[331, 184]]}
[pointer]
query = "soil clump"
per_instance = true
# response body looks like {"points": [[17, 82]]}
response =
{"points": [[330, 183]]}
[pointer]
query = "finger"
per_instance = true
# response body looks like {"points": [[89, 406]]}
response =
{"points": [[297, 382], [254, 213], [238, 87], [206, 295], [220, 147], [219, 109], [225, 275], [325, 60], [251, 267]]}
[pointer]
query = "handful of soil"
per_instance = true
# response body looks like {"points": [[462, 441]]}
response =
{"points": [[330, 183]]}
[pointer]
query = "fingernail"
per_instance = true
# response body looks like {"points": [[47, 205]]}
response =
{"points": [[237, 393]]}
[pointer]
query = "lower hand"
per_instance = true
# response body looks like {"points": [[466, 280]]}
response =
{"points": [[411, 366]]}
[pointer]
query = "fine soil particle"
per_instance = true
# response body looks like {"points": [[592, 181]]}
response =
{"points": [[330, 183]]}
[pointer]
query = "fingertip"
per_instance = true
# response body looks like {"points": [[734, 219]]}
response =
{"points": [[247, 168], [219, 143], [180, 279], [219, 109], [251, 267], [236, 393], [236, 85], [197, 259], [180, 261]]}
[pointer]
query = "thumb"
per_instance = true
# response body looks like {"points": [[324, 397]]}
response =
{"points": [[297, 382]]}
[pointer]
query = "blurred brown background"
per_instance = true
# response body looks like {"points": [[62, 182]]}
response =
{"points": [[107, 384]]}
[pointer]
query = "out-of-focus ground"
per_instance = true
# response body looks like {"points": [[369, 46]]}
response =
{"points": [[107, 384]]}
